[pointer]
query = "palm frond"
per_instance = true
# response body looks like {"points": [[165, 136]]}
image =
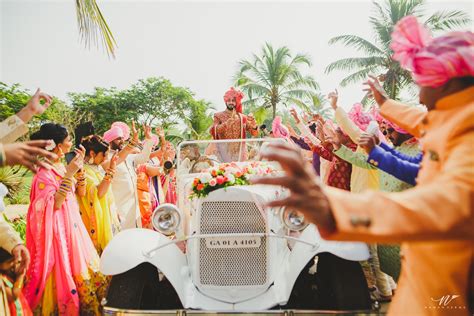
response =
{"points": [[358, 76], [93, 27], [357, 42], [447, 20], [349, 64]]}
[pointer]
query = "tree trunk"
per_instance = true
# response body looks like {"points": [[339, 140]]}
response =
{"points": [[274, 106]]}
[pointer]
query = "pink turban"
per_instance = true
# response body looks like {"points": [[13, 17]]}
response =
{"points": [[125, 129], [375, 112], [112, 134], [238, 95], [279, 130], [359, 117], [433, 62]]}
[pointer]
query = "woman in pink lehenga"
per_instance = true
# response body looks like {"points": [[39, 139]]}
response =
{"points": [[63, 277]]}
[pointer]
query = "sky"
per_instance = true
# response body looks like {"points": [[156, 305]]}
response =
{"points": [[195, 44]]}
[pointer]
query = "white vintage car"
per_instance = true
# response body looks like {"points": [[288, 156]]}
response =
{"points": [[228, 252]]}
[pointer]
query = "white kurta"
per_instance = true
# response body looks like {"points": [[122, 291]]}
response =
{"points": [[124, 187]]}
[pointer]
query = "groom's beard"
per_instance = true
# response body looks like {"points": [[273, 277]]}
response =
{"points": [[230, 107]]}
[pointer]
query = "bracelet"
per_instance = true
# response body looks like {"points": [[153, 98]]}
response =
{"points": [[3, 157], [65, 186], [18, 283]]}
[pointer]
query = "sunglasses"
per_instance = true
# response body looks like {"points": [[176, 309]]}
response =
{"points": [[388, 131]]}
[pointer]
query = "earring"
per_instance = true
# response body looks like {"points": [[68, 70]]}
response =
{"points": [[91, 160]]}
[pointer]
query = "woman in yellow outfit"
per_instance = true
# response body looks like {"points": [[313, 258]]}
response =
{"points": [[97, 205]]}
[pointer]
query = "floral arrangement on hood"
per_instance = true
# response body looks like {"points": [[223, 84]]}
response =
{"points": [[227, 175]]}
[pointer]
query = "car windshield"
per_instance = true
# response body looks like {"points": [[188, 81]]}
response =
{"points": [[198, 156]]}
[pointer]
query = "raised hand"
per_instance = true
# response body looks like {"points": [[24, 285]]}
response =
{"points": [[160, 132], [77, 163], [368, 142], [28, 154], [147, 131], [306, 193], [333, 97], [113, 161], [134, 132], [334, 140], [34, 104], [375, 90], [22, 258], [295, 116]]}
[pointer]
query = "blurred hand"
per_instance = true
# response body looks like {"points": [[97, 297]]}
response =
{"points": [[28, 154], [333, 97], [292, 131], [77, 163], [306, 193], [113, 161], [368, 142], [134, 132], [22, 258], [147, 131], [160, 132], [334, 140], [295, 116], [34, 104], [375, 90]]}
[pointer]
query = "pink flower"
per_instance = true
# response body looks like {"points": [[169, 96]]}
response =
{"points": [[220, 180], [213, 182]]}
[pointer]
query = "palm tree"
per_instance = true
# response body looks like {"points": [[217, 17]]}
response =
{"points": [[378, 55], [93, 27], [274, 78]]}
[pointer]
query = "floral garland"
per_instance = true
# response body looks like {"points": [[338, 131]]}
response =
{"points": [[227, 175]]}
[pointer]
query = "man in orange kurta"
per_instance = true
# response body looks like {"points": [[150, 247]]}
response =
{"points": [[435, 220]]}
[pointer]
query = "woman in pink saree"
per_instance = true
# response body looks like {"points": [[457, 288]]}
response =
{"points": [[63, 276]]}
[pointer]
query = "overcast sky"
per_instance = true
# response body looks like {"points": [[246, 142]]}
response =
{"points": [[195, 44]]}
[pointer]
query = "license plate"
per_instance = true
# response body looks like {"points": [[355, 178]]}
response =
{"points": [[233, 242]]}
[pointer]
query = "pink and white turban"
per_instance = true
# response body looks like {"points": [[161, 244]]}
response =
{"points": [[112, 134], [375, 112], [359, 117], [125, 129], [433, 62], [279, 130]]}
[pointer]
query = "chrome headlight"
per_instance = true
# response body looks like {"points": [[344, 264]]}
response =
{"points": [[293, 220], [166, 219]]}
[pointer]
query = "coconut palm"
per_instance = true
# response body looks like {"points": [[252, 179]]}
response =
{"points": [[274, 78], [93, 27], [377, 55]]}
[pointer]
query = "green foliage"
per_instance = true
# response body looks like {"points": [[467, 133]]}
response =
{"points": [[152, 101], [12, 178], [18, 224], [274, 78], [376, 56]]}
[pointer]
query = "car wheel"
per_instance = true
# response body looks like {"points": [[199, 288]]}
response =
{"points": [[336, 284], [140, 288]]}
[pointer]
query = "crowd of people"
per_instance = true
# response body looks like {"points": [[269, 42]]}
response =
{"points": [[393, 174], [79, 200]]}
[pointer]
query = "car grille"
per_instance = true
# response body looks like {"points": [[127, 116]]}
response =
{"points": [[232, 266]]}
